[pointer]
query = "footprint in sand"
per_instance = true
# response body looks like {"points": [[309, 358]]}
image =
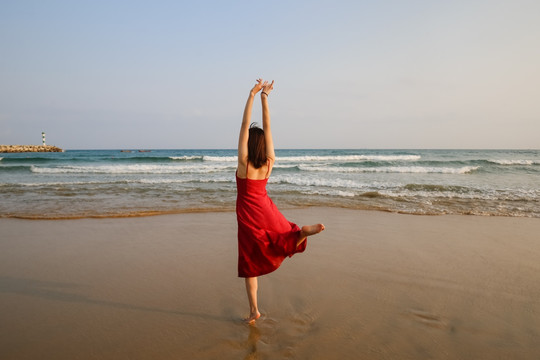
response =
{"points": [[301, 324], [428, 319], [282, 336]]}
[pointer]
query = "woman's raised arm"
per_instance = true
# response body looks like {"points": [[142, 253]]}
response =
{"points": [[266, 88], [244, 129]]}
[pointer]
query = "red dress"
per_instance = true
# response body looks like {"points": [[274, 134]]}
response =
{"points": [[265, 236]]}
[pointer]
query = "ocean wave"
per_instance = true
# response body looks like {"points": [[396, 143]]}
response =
{"points": [[161, 181], [330, 192], [131, 169], [514, 162], [67, 183], [14, 168], [223, 179], [187, 158], [392, 169], [220, 158], [30, 159], [335, 158], [316, 182], [133, 159], [428, 194], [349, 158], [84, 159], [436, 188], [464, 194], [280, 166]]}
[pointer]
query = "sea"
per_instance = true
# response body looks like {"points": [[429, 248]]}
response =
{"points": [[116, 183]]}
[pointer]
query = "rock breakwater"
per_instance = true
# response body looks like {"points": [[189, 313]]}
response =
{"points": [[28, 148]]}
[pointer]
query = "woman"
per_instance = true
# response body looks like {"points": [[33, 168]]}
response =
{"points": [[265, 237]]}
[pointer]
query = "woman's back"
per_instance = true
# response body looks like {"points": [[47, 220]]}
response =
{"points": [[250, 172]]}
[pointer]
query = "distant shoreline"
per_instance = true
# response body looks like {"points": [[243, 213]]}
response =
{"points": [[29, 148]]}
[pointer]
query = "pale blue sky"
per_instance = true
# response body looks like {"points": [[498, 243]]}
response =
{"points": [[349, 74]]}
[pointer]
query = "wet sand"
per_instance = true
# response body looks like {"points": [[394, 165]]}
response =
{"points": [[372, 286]]}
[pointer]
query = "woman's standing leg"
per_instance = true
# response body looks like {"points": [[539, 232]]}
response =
{"points": [[251, 288]]}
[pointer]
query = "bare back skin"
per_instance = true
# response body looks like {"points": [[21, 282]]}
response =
{"points": [[245, 171]]}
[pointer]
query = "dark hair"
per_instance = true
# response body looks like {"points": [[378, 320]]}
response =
{"points": [[256, 146]]}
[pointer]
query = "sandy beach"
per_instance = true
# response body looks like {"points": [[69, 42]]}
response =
{"points": [[374, 285]]}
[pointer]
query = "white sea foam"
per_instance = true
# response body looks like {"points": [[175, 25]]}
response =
{"points": [[514, 162], [221, 158], [186, 157], [392, 169]]}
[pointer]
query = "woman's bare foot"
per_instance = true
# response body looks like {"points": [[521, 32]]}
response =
{"points": [[308, 230], [252, 318]]}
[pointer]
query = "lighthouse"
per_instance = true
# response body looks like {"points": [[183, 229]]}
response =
{"points": [[43, 138]]}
